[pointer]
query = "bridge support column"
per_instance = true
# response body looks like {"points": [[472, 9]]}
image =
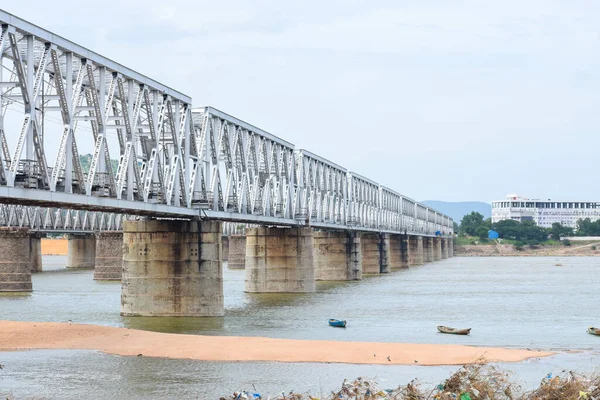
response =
{"points": [[384, 253], [415, 244], [404, 251], [109, 256], [225, 248], [280, 260], [338, 256], [81, 251], [428, 249], [172, 268], [237, 252], [437, 248], [15, 262], [375, 252], [451, 247], [444, 248], [35, 252]]}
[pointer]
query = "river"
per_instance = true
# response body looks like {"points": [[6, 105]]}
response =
{"points": [[523, 302]]}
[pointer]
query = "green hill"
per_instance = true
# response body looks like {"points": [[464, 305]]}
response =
{"points": [[86, 160], [456, 210]]}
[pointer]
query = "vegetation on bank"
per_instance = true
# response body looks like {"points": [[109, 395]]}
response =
{"points": [[471, 382], [474, 229]]}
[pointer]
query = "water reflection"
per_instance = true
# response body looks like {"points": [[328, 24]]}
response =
{"points": [[186, 325]]}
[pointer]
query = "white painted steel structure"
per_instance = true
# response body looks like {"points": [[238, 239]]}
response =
{"points": [[42, 219], [173, 162]]}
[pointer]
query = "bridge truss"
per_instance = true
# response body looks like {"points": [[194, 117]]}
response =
{"points": [[172, 161]]}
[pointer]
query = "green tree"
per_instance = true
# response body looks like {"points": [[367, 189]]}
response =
{"points": [[508, 229], [585, 227], [558, 230], [482, 232], [532, 233], [470, 223], [456, 227]]}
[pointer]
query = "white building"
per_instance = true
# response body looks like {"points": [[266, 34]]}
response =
{"points": [[544, 212]]}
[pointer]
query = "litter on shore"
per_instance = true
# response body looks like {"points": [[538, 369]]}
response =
{"points": [[471, 382]]}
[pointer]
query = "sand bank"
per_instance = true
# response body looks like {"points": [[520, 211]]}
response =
{"points": [[508, 250], [130, 342], [54, 246]]}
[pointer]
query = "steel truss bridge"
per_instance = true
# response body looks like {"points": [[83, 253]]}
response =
{"points": [[174, 161]]}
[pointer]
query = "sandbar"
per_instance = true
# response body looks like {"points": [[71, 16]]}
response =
{"points": [[18, 335]]}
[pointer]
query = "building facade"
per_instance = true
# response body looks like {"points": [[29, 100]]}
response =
{"points": [[544, 212]]}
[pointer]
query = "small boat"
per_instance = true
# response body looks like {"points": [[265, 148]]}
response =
{"points": [[337, 323], [454, 331], [593, 331]]}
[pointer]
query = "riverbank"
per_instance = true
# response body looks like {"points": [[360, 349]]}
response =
{"points": [[55, 247], [509, 250], [17, 335]]}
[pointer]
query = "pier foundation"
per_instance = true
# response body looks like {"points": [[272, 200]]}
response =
{"points": [[81, 251], [375, 253], [172, 268], [444, 248], [237, 252], [225, 247], [415, 244], [428, 249], [437, 248], [280, 260], [109, 256], [337, 256], [35, 252], [15, 262], [451, 247]]}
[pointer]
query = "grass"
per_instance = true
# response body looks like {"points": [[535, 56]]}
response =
{"points": [[469, 240]]}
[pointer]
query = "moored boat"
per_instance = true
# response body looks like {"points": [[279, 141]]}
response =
{"points": [[593, 331], [454, 331], [337, 323]]}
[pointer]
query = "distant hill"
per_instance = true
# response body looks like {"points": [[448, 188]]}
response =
{"points": [[456, 210], [86, 160]]}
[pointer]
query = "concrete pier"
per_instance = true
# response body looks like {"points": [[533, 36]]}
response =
{"points": [[280, 260], [109, 256], [428, 249], [451, 247], [415, 244], [35, 252], [237, 252], [81, 251], [444, 248], [404, 251], [225, 247], [395, 255], [375, 252], [437, 248], [15, 263], [338, 256], [172, 268]]}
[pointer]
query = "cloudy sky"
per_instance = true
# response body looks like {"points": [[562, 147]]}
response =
{"points": [[462, 100]]}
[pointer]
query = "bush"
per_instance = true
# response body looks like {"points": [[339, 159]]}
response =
{"points": [[518, 246], [566, 242], [594, 247]]}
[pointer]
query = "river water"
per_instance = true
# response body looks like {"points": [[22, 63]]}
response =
{"points": [[538, 303]]}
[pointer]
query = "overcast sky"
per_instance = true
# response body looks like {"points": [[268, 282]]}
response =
{"points": [[461, 100]]}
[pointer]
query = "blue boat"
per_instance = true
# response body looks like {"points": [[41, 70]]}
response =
{"points": [[337, 323]]}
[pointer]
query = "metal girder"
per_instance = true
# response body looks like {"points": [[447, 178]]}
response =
{"points": [[174, 161], [45, 219]]}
